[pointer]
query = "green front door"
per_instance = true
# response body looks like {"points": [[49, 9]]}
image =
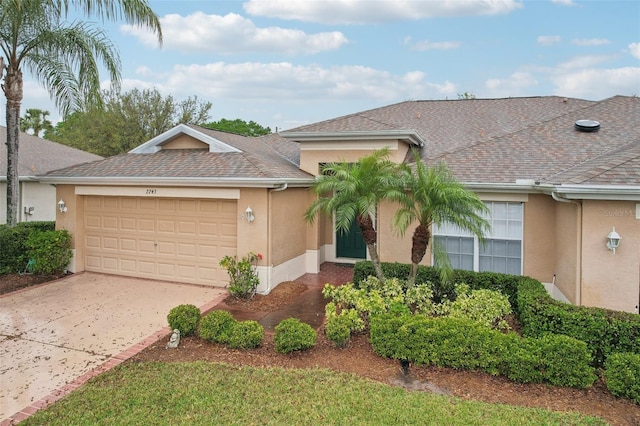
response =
{"points": [[350, 244]]}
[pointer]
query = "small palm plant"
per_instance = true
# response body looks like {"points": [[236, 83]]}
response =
{"points": [[434, 196]]}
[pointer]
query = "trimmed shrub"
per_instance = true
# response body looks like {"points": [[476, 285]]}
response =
{"points": [[622, 375], [291, 334], [50, 251], [606, 332], [462, 343], [13, 253], [217, 326], [338, 330], [184, 318], [246, 335]]}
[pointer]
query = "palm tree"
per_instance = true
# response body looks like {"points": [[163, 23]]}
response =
{"points": [[65, 58], [35, 119], [352, 191], [434, 196]]}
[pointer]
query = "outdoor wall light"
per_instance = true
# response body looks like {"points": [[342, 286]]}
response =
{"points": [[248, 214], [613, 240], [62, 206]]}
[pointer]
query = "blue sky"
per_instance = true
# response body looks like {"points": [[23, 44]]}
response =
{"points": [[286, 63]]}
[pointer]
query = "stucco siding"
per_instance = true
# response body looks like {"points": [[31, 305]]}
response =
{"points": [[567, 238], [611, 280], [539, 247], [391, 246], [288, 228], [253, 236]]}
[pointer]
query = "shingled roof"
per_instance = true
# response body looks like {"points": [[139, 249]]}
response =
{"points": [[252, 160], [38, 156], [499, 141], [555, 152], [484, 141], [448, 125]]}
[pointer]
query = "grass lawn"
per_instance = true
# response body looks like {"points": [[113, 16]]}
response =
{"points": [[210, 393]]}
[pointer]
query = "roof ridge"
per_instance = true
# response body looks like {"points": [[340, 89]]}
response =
{"points": [[610, 164]]}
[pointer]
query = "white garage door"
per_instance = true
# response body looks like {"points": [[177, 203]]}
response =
{"points": [[161, 238]]}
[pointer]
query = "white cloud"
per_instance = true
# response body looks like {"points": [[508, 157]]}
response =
{"points": [[548, 40], [233, 33], [634, 49], [598, 83], [365, 11], [283, 82], [424, 45], [590, 41], [586, 61], [564, 2], [519, 83]]}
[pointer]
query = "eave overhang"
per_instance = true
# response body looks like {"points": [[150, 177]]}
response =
{"points": [[181, 182], [408, 136], [567, 191]]}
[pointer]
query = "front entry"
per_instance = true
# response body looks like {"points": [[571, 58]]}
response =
{"points": [[350, 244]]}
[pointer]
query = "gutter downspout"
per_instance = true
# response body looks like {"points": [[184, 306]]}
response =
{"points": [[557, 197], [269, 232]]}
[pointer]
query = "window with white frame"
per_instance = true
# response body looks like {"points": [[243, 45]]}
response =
{"points": [[502, 248]]}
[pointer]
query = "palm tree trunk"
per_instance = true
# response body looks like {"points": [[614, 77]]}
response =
{"points": [[13, 91], [370, 237], [420, 241]]}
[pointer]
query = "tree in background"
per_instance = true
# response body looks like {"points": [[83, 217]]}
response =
{"points": [[239, 127], [466, 95], [35, 120], [126, 121], [64, 56]]}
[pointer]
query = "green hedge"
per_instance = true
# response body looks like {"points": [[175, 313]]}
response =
{"points": [[507, 284], [13, 253], [464, 344], [622, 375], [605, 331]]}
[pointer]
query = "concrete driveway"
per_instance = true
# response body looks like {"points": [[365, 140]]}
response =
{"points": [[56, 336]]}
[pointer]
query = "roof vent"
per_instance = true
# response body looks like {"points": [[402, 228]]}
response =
{"points": [[587, 125]]}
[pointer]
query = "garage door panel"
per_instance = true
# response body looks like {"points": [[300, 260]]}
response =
{"points": [[128, 265], [146, 247], [147, 225], [128, 223], [166, 226], [166, 248], [111, 202], [187, 227], [110, 243], [178, 240], [128, 245], [110, 264]]}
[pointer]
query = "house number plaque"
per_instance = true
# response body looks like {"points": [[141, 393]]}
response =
{"points": [[151, 191]]}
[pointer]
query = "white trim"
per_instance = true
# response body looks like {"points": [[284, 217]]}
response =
{"points": [[595, 192], [348, 145], [271, 276], [313, 261], [159, 192], [155, 144], [504, 197], [555, 293], [408, 136], [177, 181]]}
